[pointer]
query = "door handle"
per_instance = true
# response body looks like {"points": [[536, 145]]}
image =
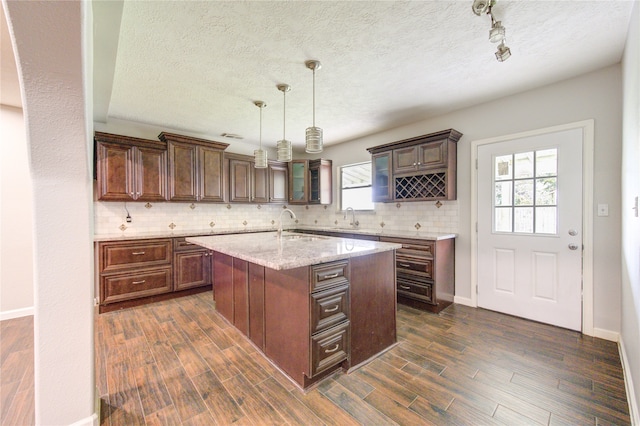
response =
{"points": [[573, 247], [573, 232]]}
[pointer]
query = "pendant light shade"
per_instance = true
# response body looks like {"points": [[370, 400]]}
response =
{"points": [[260, 154], [284, 146], [313, 135]]}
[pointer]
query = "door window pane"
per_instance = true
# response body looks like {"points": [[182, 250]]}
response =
{"points": [[546, 191], [523, 219], [547, 162], [504, 165], [503, 193], [503, 219], [523, 165], [526, 192], [546, 220]]}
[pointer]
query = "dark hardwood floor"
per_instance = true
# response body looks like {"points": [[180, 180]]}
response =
{"points": [[177, 362], [17, 400]]}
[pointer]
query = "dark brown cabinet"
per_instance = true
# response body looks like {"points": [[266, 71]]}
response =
{"points": [[130, 169], [250, 185], [191, 265], [196, 171], [422, 168], [310, 181], [134, 269], [425, 272], [135, 272]]}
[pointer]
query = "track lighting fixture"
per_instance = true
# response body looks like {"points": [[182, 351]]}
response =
{"points": [[497, 32]]}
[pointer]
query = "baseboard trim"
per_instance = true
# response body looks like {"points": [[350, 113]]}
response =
{"points": [[612, 336], [634, 411], [464, 301], [92, 420], [16, 313]]}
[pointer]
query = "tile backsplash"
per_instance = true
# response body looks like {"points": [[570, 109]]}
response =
{"points": [[420, 217]]}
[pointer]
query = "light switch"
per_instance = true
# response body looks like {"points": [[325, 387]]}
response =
{"points": [[603, 209]]}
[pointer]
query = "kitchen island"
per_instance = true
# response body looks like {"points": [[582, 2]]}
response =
{"points": [[312, 304]]}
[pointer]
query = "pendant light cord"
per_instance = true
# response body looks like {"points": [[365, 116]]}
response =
{"points": [[261, 128], [314, 97], [284, 115]]}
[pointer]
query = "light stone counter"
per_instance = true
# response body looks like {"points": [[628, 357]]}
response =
{"points": [[396, 234], [292, 250]]}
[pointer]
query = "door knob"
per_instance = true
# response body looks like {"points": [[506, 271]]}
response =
{"points": [[573, 247], [573, 232]]}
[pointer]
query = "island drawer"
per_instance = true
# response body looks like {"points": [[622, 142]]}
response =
{"points": [[329, 348], [329, 274], [421, 290], [129, 254], [422, 265], [329, 308], [119, 287]]}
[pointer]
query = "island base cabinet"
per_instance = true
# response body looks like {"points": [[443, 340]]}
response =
{"points": [[286, 316], [373, 305]]}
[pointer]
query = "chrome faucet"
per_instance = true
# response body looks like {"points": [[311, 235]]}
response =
{"points": [[293, 216], [353, 222]]}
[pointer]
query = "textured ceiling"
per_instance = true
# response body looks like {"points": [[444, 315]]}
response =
{"points": [[198, 66]]}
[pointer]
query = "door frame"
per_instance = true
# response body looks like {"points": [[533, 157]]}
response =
{"points": [[587, 127]]}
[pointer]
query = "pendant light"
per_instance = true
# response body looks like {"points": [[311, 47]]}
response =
{"points": [[260, 154], [284, 146], [314, 134]]}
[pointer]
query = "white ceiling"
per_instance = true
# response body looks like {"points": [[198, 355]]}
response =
{"points": [[197, 67]]}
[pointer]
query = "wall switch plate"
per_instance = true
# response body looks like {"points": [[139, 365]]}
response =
{"points": [[603, 209]]}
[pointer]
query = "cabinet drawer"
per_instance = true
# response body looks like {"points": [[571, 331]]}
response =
{"points": [[425, 266], [329, 348], [329, 274], [115, 256], [118, 287], [181, 244], [413, 247], [329, 307], [416, 290]]}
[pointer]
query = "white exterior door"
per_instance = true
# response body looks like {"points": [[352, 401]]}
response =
{"points": [[530, 227]]}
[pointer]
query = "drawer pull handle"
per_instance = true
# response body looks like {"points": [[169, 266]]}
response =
{"points": [[404, 265], [335, 348], [328, 277], [335, 308], [138, 282], [405, 287], [137, 253]]}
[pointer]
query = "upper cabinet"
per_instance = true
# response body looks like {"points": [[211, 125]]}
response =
{"points": [[310, 181], [250, 185], [130, 169], [195, 168], [416, 169]]}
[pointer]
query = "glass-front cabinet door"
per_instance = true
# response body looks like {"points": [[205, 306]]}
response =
{"points": [[381, 171], [298, 182]]}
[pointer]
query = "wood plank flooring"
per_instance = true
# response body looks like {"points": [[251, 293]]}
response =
{"points": [[17, 399], [177, 362]]}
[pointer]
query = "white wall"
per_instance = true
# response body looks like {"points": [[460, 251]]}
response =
{"points": [[630, 337], [596, 95], [16, 210], [48, 42]]}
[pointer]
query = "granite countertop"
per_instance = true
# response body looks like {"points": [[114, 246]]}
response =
{"points": [[162, 234], [398, 234], [293, 250]]}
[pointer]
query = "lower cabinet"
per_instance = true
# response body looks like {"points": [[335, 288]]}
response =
{"points": [[136, 272], [425, 272], [312, 320]]}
